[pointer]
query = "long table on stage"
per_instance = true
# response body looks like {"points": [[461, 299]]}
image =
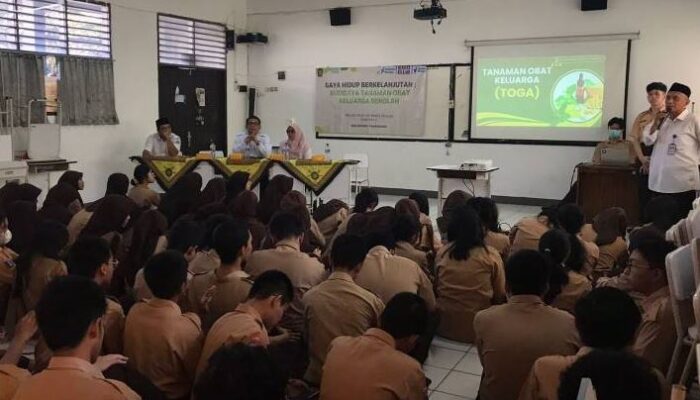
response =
{"points": [[324, 180]]}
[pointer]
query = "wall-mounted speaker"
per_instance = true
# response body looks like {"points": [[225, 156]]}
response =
{"points": [[594, 5], [340, 16]]}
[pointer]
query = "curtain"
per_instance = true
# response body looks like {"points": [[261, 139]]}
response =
{"points": [[22, 79], [86, 91]]}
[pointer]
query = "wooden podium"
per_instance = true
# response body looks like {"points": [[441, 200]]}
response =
{"points": [[605, 186]]}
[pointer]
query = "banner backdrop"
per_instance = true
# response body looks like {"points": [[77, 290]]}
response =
{"points": [[371, 101]]}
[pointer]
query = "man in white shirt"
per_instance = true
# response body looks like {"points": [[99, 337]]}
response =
{"points": [[163, 143], [675, 135], [252, 143]]}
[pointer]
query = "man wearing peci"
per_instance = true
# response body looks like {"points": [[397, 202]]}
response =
{"points": [[252, 143], [163, 143], [675, 135]]}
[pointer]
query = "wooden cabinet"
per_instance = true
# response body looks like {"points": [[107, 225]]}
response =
{"points": [[604, 186]]}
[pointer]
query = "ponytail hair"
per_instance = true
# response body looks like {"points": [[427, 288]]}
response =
{"points": [[572, 219], [555, 246]]}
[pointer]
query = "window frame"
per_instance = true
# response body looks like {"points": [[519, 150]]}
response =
{"points": [[65, 25], [194, 22]]}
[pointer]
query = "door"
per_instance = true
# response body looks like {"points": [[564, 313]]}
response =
{"points": [[194, 99]]}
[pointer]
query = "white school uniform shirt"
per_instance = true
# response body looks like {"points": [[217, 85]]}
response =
{"points": [[158, 147], [678, 172], [252, 150]]}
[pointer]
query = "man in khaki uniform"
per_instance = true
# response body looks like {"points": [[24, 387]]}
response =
{"points": [[378, 359], [512, 336], [163, 343], [616, 127], [218, 292], [527, 232], [304, 271], [338, 306], [91, 257], [385, 274], [71, 374], [250, 322], [657, 333], [606, 318], [656, 96], [12, 376]]}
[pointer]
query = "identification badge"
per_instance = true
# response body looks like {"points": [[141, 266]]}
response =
{"points": [[672, 149]]}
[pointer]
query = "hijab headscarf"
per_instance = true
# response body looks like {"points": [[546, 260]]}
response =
{"points": [[214, 192], [109, 216], [117, 183], [149, 227], [56, 205], [29, 192], [182, 196], [72, 178], [236, 184], [610, 224], [22, 220], [279, 186], [299, 146], [9, 194], [244, 206]]}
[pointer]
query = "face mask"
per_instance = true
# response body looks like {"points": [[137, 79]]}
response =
{"points": [[6, 238], [615, 134]]}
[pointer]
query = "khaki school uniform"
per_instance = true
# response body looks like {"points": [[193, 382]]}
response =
{"points": [[657, 333], [77, 224], [70, 378], [405, 249], [303, 270], [592, 256], [499, 241], [164, 345], [114, 319], [526, 234], [611, 255], [10, 378], [203, 262], [336, 307], [466, 287], [41, 272], [386, 275], [643, 119], [242, 325], [212, 296], [614, 145], [329, 225], [512, 336], [578, 286], [372, 359], [144, 197]]}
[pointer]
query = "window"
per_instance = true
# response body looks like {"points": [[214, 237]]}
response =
{"points": [[189, 43], [63, 27]]}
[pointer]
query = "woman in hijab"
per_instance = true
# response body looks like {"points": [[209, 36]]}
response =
{"points": [[244, 208], [295, 147], [214, 192], [269, 204], [181, 197], [237, 183], [22, 220], [611, 228], [112, 216], [7, 264], [117, 183], [149, 227], [62, 202], [29, 192], [73, 178]]}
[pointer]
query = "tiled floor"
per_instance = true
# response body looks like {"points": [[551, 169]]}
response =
{"points": [[454, 369]]}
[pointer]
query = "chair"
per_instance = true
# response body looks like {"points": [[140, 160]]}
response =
{"points": [[681, 282], [693, 223], [696, 203], [360, 173]]}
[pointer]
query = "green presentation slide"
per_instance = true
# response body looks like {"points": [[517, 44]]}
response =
{"points": [[565, 92]]}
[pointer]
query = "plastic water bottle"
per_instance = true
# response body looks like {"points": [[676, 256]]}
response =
{"points": [[328, 151], [212, 148]]}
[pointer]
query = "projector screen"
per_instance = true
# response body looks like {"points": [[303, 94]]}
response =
{"points": [[548, 91]]}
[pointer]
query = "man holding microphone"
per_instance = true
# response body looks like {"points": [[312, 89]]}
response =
{"points": [[675, 135]]}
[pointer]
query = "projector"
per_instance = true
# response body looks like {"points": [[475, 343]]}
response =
{"points": [[476, 165], [435, 11]]}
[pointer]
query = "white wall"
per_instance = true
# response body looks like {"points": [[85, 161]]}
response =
{"points": [[302, 39], [101, 150]]}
